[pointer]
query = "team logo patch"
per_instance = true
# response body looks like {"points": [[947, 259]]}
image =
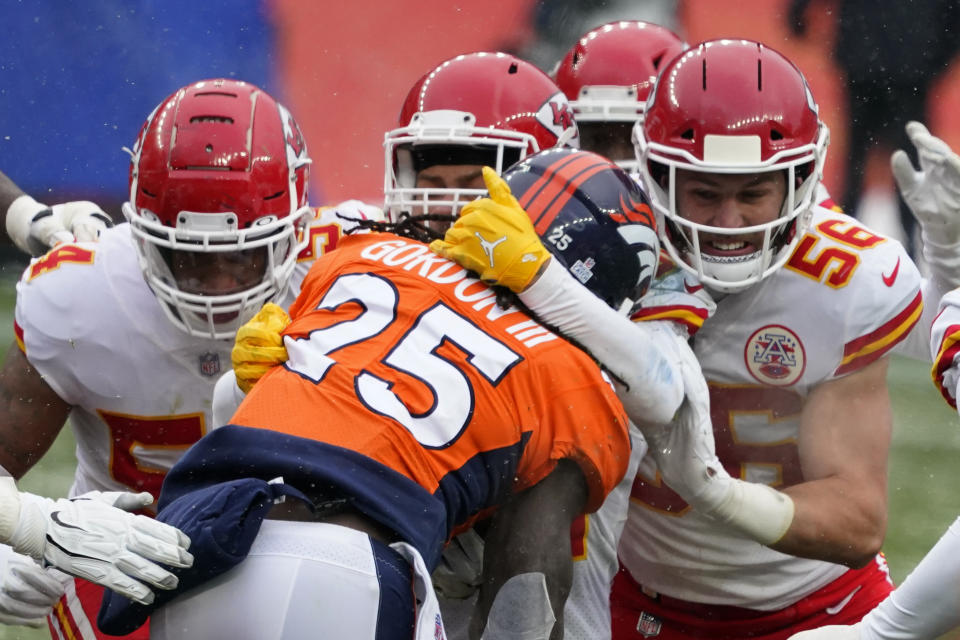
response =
{"points": [[556, 115], [774, 355], [210, 364], [648, 625]]}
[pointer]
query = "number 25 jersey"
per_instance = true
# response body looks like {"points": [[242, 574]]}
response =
{"points": [[397, 355]]}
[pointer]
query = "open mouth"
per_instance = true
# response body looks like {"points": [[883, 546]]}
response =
{"points": [[727, 248]]}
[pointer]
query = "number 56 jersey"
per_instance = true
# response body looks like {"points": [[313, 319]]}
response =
{"points": [[844, 299], [404, 365]]}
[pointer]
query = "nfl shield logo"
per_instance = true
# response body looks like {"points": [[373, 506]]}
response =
{"points": [[210, 364], [648, 625]]}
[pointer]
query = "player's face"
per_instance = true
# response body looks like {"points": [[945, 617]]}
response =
{"points": [[449, 176], [609, 139], [218, 273], [730, 201]]}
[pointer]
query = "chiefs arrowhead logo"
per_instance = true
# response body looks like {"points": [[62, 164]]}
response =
{"points": [[556, 115]]}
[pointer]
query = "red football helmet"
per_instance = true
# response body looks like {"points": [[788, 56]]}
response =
{"points": [[607, 76], [219, 168], [732, 107], [475, 109]]}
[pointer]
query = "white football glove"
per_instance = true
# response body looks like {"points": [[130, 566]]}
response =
{"points": [[92, 536], [685, 453], [832, 632], [933, 195], [29, 591], [359, 210], [460, 571], [36, 228], [85, 220]]}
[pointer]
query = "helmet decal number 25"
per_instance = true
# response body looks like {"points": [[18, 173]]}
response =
{"points": [[416, 355]]}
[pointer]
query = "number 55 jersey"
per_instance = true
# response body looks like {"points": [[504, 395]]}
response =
{"points": [[844, 299]]}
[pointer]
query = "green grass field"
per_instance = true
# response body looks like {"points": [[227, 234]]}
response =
{"points": [[924, 470]]}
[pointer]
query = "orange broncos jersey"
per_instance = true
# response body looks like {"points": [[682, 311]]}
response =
{"points": [[397, 355]]}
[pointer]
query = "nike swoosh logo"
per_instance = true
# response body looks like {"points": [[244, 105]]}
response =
{"points": [[834, 610], [889, 280], [692, 289], [55, 516]]}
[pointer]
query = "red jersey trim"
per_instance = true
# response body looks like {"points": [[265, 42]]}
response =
{"points": [[949, 348], [862, 351], [18, 336], [690, 317]]}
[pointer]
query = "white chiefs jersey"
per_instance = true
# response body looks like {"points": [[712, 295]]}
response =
{"points": [[140, 388], [843, 300]]}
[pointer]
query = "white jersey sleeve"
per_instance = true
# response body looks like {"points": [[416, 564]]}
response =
{"points": [[945, 347], [925, 605]]}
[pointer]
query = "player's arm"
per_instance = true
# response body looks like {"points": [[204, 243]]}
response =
{"points": [[527, 557], [35, 227], [924, 606], [524, 265], [841, 507], [932, 194], [31, 414], [838, 513]]}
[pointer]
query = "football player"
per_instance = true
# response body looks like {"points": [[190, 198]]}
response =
{"points": [[412, 404], [809, 303], [472, 110], [127, 336], [607, 76]]}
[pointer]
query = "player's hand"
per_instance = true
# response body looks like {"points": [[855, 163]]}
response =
{"points": [[495, 238], [258, 346], [933, 192], [28, 591], [36, 228], [684, 449], [460, 571], [358, 210], [832, 632], [94, 537], [84, 220]]}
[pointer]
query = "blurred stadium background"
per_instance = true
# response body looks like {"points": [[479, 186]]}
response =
{"points": [[77, 80]]}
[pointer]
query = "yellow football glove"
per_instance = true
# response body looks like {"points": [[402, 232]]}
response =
{"points": [[495, 238], [258, 346]]}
